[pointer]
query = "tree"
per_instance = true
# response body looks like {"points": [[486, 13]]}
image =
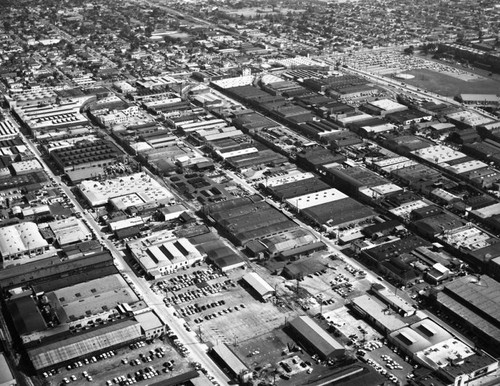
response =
{"points": [[409, 50]]}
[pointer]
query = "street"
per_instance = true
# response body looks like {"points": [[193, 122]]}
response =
{"points": [[198, 351]]}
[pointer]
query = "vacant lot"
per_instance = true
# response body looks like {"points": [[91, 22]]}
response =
{"points": [[450, 85]]}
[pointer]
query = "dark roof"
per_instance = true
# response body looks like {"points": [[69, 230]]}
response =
{"points": [[339, 212], [26, 315], [396, 248], [298, 188], [309, 330], [380, 227], [352, 375], [40, 270], [85, 151], [127, 232], [178, 379]]}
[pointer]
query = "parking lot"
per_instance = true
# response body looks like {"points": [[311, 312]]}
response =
{"points": [[136, 363], [332, 286]]}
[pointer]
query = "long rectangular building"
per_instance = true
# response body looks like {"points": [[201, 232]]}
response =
{"points": [[259, 285], [64, 351], [315, 338]]}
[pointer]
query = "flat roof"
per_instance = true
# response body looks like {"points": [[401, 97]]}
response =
{"points": [[395, 300], [6, 376], [297, 188], [149, 320], [288, 178], [70, 230], [323, 342], [339, 212], [98, 193], [94, 296], [420, 335], [20, 238], [387, 104], [438, 154], [34, 271], [376, 310], [326, 196]]}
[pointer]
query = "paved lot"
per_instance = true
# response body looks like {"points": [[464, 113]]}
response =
{"points": [[114, 366]]}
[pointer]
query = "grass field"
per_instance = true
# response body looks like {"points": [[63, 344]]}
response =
{"points": [[450, 86]]}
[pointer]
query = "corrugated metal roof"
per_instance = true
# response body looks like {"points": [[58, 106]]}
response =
{"points": [[319, 338], [84, 344]]}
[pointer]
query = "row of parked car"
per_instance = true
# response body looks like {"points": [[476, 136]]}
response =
{"points": [[219, 313]]}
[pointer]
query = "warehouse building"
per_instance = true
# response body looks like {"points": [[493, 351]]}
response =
{"points": [[327, 196], [394, 301], [244, 220], [79, 301], [292, 176], [45, 274], [315, 338], [86, 154], [75, 347], [296, 188], [432, 346], [231, 362], [351, 179], [339, 214], [291, 244], [161, 257], [383, 107], [259, 286], [135, 190], [21, 240], [70, 230], [474, 303], [375, 313]]}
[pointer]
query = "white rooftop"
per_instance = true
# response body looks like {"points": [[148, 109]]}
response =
{"points": [[148, 189], [314, 199], [20, 238], [387, 104]]}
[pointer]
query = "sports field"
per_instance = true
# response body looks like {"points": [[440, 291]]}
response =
{"points": [[451, 85]]}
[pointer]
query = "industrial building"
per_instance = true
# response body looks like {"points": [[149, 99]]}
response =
{"points": [[135, 190], [315, 339], [90, 298], [394, 301], [474, 303], [231, 362], [374, 312], [218, 252], [383, 107], [69, 231], [46, 274], [327, 196], [159, 256], [86, 154], [90, 342], [21, 240], [430, 345], [290, 244], [338, 214], [244, 220], [259, 286]]}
